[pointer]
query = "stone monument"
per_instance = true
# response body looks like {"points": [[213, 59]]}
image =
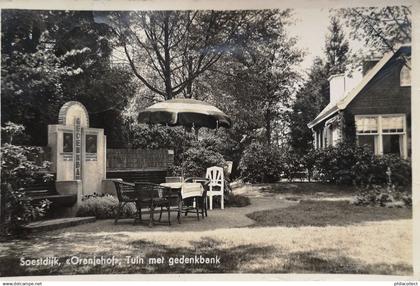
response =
{"points": [[78, 152]]}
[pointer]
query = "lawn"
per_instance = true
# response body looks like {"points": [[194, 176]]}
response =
{"points": [[326, 213], [319, 236]]}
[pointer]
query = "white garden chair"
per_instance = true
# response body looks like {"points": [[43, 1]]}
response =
{"points": [[216, 185]]}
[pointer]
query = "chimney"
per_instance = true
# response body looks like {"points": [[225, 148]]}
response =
{"points": [[337, 87]]}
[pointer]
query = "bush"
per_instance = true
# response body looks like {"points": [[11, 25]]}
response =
{"points": [[377, 195], [400, 170], [260, 164], [19, 169], [292, 165], [197, 159], [103, 207], [20, 210], [351, 164], [239, 201], [162, 137]]}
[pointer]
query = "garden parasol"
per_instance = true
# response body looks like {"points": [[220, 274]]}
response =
{"points": [[185, 112]]}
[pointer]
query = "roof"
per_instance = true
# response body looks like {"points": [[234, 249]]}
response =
{"points": [[333, 108]]}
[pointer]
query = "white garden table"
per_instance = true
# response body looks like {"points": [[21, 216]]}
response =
{"points": [[184, 191]]}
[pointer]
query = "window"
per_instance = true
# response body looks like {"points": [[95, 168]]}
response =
{"points": [[368, 141], [383, 134], [405, 74]]}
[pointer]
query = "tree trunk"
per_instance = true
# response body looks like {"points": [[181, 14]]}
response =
{"points": [[268, 127], [189, 80], [167, 60]]}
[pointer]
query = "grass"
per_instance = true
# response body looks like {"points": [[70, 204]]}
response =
{"points": [[318, 236], [251, 258], [310, 189], [325, 213]]}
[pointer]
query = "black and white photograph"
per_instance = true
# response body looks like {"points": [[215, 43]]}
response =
{"points": [[207, 141]]}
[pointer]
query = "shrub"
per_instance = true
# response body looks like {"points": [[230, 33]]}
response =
{"points": [[377, 195], [197, 159], [232, 200], [158, 136], [260, 164], [20, 210], [19, 169], [334, 164], [309, 162], [103, 207], [400, 170], [292, 165], [351, 164]]}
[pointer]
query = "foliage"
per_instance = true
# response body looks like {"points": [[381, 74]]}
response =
{"points": [[169, 50], [313, 96], [351, 164], [377, 195], [310, 100], [309, 162], [232, 200], [198, 158], [103, 207], [19, 209], [261, 164], [336, 48], [48, 59], [10, 131], [380, 28], [161, 137], [20, 166], [292, 165]]}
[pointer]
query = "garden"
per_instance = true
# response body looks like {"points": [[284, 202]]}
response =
{"points": [[344, 216], [289, 207]]}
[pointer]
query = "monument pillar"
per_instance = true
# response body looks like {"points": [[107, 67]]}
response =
{"points": [[78, 152]]}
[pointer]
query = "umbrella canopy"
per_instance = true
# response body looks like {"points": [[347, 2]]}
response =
{"points": [[185, 112]]}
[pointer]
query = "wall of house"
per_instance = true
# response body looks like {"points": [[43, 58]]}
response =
{"points": [[383, 95]]}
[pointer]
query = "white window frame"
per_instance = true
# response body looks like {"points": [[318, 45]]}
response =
{"points": [[405, 81], [378, 135]]}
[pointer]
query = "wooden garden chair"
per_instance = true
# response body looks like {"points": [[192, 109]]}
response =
{"points": [[201, 202], [125, 195], [153, 196], [216, 185]]}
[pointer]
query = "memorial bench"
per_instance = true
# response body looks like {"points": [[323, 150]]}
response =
{"points": [[40, 190]]}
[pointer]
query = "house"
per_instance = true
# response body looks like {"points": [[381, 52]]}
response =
{"points": [[373, 109]]}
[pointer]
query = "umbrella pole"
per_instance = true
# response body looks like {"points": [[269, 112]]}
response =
{"points": [[182, 158]]}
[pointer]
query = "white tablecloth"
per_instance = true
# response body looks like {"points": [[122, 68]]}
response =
{"points": [[188, 190]]}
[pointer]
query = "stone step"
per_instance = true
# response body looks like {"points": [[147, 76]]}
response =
{"points": [[52, 224]]}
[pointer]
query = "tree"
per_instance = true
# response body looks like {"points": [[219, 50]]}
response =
{"points": [[310, 100], [380, 28], [314, 94], [31, 71], [50, 57], [169, 50], [336, 48], [255, 84]]}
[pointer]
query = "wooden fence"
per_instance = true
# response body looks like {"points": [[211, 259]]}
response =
{"points": [[138, 159]]}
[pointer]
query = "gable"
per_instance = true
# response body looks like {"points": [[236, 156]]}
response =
{"points": [[377, 77]]}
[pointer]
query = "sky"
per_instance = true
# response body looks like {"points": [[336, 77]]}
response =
{"points": [[311, 28]]}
